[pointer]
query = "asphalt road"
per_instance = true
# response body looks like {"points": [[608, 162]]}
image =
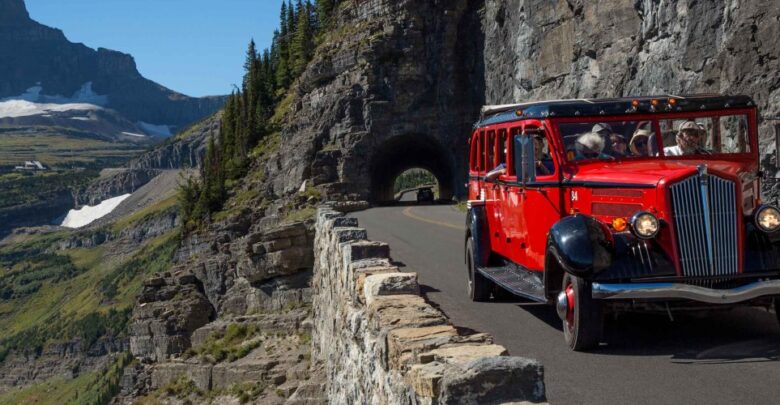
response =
{"points": [[714, 358]]}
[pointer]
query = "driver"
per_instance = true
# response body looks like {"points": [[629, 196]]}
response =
{"points": [[689, 138]]}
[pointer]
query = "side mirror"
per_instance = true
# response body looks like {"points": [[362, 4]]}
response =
{"points": [[777, 145], [524, 158]]}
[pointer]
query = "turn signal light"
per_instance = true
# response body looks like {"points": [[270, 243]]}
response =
{"points": [[519, 113], [619, 224]]}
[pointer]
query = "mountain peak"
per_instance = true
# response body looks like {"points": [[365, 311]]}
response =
{"points": [[13, 12]]}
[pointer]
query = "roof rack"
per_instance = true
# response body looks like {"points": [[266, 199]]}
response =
{"points": [[492, 114]]}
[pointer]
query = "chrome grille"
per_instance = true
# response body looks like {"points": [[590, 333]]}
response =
{"points": [[704, 210]]}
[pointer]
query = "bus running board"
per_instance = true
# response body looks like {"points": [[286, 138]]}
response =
{"points": [[517, 280]]}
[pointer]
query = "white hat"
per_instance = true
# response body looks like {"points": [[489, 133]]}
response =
{"points": [[601, 126]]}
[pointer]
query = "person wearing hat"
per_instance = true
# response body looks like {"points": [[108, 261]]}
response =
{"points": [[618, 143], [689, 137], [590, 146], [603, 130], [639, 143]]}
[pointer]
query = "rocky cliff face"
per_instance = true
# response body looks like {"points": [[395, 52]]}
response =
{"points": [[114, 183], [394, 87], [184, 151], [37, 55]]}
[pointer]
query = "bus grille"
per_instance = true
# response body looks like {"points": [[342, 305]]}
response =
{"points": [[704, 210]]}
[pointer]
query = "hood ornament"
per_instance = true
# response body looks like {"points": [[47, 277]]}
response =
{"points": [[702, 169]]}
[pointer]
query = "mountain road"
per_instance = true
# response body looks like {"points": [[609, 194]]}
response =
{"points": [[713, 357]]}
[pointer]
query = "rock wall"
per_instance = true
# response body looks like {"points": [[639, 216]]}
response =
{"points": [[382, 343], [394, 87]]}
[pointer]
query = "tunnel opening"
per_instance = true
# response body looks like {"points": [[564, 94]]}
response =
{"points": [[404, 152], [411, 184]]}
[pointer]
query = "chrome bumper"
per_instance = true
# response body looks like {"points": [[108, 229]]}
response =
{"points": [[685, 291]]}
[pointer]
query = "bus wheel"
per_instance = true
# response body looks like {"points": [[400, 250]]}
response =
{"points": [[581, 314], [479, 287]]}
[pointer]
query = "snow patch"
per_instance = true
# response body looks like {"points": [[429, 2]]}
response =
{"points": [[82, 119], [24, 108], [87, 214], [84, 94], [156, 130], [133, 134]]}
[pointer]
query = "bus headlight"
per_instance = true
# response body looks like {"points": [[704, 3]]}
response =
{"points": [[768, 218], [644, 225]]}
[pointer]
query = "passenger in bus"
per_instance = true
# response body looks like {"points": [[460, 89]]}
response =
{"points": [[689, 138], [544, 164], [618, 143], [499, 170], [603, 130], [590, 146], [639, 143]]}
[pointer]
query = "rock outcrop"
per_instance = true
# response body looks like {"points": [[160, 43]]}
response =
{"points": [[112, 183], [184, 151], [255, 280], [380, 342]]}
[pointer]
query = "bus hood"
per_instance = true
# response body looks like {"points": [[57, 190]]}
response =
{"points": [[647, 173]]}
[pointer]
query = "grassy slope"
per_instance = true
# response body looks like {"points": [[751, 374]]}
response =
{"points": [[83, 294], [62, 147]]}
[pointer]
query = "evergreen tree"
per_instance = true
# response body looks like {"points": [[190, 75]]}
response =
{"points": [[302, 45], [291, 20], [251, 56], [324, 14]]}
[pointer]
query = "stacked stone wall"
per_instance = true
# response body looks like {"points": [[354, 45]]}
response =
{"points": [[382, 343]]}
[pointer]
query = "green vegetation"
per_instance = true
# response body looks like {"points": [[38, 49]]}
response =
{"points": [[232, 344], [25, 188], [145, 213], [84, 294], [62, 147], [413, 178], [181, 388], [96, 387], [251, 114]]}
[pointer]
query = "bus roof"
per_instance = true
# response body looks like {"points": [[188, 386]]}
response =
{"points": [[494, 114]]}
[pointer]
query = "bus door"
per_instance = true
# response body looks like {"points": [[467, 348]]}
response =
{"points": [[535, 205]]}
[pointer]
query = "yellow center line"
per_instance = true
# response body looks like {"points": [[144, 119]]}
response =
{"points": [[408, 213]]}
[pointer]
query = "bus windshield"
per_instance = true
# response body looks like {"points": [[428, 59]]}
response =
{"points": [[679, 136]]}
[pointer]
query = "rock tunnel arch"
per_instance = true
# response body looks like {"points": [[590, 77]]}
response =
{"points": [[409, 151]]}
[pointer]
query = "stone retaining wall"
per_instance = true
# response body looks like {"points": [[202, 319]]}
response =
{"points": [[382, 343]]}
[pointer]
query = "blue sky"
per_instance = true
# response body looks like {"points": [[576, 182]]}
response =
{"points": [[195, 47]]}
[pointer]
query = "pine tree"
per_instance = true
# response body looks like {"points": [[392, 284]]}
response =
{"points": [[251, 56], [302, 44], [324, 15]]}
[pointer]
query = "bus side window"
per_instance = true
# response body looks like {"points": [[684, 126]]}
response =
{"points": [[491, 149], [502, 147], [474, 153], [482, 151], [513, 132]]}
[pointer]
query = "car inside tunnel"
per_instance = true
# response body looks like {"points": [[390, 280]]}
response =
{"points": [[404, 152]]}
